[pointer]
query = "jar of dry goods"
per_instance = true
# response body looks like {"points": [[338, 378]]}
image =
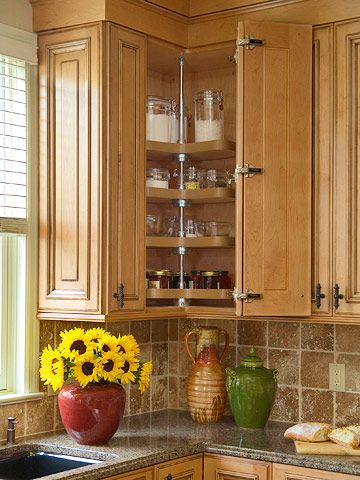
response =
{"points": [[209, 105]]}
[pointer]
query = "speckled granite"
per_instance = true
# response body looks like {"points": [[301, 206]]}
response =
{"points": [[147, 439]]}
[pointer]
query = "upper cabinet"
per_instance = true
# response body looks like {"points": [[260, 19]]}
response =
{"points": [[91, 172], [93, 157], [336, 172]]}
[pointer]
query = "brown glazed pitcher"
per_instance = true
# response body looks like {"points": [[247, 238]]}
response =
{"points": [[206, 392]]}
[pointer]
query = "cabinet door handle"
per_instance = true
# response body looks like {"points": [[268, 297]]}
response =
{"points": [[318, 295], [337, 296], [119, 295], [169, 477]]}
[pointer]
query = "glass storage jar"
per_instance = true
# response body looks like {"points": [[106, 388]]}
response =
{"points": [[209, 106], [157, 177], [195, 280], [175, 280], [224, 280], [158, 118], [217, 178], [159, 279], [209, 280]]}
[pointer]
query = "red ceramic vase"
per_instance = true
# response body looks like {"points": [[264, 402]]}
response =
{"points": [[91, 415]]}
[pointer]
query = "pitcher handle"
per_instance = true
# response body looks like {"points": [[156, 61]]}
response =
{"points": [[226, 336], [187, 336]]}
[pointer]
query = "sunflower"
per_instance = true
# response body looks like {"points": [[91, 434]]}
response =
{"points": [[87, 369], [52, 368], [74, 343], [128, 371], [93, 335], [108, 343], [111, 366], [128, 344], [144, 379]]}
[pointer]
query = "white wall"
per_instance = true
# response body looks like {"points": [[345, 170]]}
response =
{"points": [[16, 13]]}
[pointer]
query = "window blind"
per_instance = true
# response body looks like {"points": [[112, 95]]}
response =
{"points": [[13, 138]]}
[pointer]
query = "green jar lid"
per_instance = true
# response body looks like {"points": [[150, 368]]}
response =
{"points": [[252, 360]]}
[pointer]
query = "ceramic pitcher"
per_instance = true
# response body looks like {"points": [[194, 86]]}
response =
{"points": [[206, 392]]}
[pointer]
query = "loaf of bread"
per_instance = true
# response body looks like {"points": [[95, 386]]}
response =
{"points": [[309, 432], [346, 436]]}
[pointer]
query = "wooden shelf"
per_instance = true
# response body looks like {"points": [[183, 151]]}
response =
{"points": [[213, 150], [204, 195], [168, 293], [198, 242]]}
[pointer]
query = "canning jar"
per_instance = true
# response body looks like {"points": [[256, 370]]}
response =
{"points": [[175, 281], [209, 280], [224, 281], [159, 279], [217, 178], [195, 280], [157, 177], [191, 179], [209, 106], [158, 118]]}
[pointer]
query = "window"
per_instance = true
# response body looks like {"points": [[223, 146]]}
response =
{"points": [[18, 225]]}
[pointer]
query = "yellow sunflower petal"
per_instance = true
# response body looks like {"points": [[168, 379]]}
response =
{"points": [[87, 369], [52, 368], [94, 334], [128, 344], [111, 366], [74, 343], [108, 343], [144, 379], [131, 365]]}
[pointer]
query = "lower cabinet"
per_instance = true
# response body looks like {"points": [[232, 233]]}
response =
{"points": [[219, 467], [143, 474], [188, 468], [289, 472]]}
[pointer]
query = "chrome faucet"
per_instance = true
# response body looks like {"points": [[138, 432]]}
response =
{"points": [[10, 432]]}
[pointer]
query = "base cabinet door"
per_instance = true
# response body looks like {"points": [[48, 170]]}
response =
{"points": [[189, 468], [220, 467], [147, 474], [288, 472]]}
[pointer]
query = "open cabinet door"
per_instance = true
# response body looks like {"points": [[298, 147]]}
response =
{"points": [[276, 126]]}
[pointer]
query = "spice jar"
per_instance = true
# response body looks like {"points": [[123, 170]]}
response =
{"points": [[224, 281], [175, 280], [195, 280], [191, 179], [209, 106], [157, 177], [209, 280], [217, 178], [158, 118], [159, 279]]}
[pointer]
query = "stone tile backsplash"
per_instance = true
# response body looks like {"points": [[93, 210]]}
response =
{"points": [[299, 350]]}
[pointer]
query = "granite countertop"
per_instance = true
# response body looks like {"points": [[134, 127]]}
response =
{"points": [[148, 439]]}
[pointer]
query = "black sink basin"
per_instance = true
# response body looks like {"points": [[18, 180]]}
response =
{"points": [[30, 465]]}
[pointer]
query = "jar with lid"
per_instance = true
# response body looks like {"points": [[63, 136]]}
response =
{"points": [[159, 279], [191, 179], [157, 177], [217, 178], [209, 106], [175, 280], [195, 280], [224, 280], [158, 118], [209, 279]]}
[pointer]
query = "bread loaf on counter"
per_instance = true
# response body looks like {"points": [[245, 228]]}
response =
{"points": [[309, 432], [346, 436]]}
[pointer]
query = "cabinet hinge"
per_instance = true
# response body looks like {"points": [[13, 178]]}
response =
{"points": [[248, 170], [248, 295], [249, 42]]}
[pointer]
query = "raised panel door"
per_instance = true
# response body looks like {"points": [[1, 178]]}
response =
{"points": [[289, 472], [188, 468], [322, 170], [126, 172], [276, 110], [347, 168], [218, 467], [69, 201], [146, 474]]}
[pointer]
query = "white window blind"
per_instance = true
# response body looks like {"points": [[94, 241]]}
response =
{"points": [[13, 141]]}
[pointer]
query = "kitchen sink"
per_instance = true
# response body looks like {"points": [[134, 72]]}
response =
{"points": [[34, 464]]}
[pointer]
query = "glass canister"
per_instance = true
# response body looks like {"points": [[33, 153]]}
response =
{"points": [[209, 123], [158, 118], [191, 179], [209, 280], [224, 280], [159, 279], [157, 177], [217, 178]]}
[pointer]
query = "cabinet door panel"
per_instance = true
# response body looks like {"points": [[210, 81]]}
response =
{"points": [[322, 168], [126, 175], [277, 137], [137, 475], [69, 171], [189, 468], [347, 167], [217, 467], [288, 472]]}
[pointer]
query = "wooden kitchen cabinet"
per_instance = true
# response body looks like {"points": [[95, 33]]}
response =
{"points": [[289, 472], [92, 193], [143, 474], [220, 467], [187, 468]]}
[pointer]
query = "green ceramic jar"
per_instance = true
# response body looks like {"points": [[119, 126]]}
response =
{"points": [[251, 391]]}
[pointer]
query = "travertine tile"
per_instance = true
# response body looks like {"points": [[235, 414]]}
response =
{"points": [[160, 358], [141, 330], [183, 405], [173, 358], [159, 393], [47, 334], [230, 326], [284, 334], [40, 416], [348, 338], [352, 370], [317, 406], [159, 330], [286, 362], [315, 369], [286, 405], [229, 359], [317, 336], [18, 411], [173, 330], [138, 403], [173, 392], [347, 408], [252, 332], [116, 328]]}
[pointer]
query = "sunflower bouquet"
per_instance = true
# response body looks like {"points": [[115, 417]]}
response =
{"points": [[94, 356]]}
